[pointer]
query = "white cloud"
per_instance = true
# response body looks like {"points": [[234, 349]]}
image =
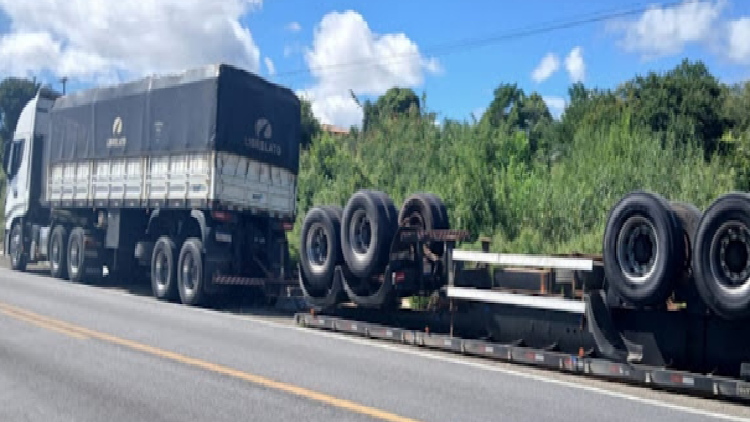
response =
{"points": [[666, 31], [549, 65], [269, 66], [575, 65], [346, 54], [293, 27], [124, 39], [556, 105], [739, 40]]}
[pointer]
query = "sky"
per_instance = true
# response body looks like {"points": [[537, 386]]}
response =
{"points": [[325, 50]]}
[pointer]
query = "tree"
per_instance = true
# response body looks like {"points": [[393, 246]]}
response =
{"points": [[686, 101], [310, 124], [505, 107], [14, 94], [396, 101]]}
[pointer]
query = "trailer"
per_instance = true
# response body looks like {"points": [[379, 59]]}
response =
{"points": [[189, 179], [645, 311]]}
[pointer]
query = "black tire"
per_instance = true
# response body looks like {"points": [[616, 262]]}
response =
{"points": [[164, 269], [444, 222], [190, 276], [643, 249], [427, 212], [16, 250], [720, 268], [367, 230], [690, 218], [57, 250], [81, 266], [320, 246]]}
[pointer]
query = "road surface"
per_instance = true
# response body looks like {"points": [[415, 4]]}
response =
{"points": [[85, 353]]}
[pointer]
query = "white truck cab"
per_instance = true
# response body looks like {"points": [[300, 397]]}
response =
{"points": [[20, 153]]}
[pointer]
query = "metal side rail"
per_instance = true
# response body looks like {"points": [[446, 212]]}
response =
{"points": [[690, 383]]}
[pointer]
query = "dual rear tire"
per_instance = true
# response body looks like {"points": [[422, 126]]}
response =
{"points": [[176, 275], [650, 245]]}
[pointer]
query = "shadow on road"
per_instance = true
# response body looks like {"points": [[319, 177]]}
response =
{"points": [[235, 299]]}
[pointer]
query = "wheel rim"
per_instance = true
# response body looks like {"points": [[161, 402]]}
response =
{"points": [[161, 269], [15, 246], [730, 257], [55, 253], [360, 234], [75, 255], [317, 248], [637, 249], [189, 273]]}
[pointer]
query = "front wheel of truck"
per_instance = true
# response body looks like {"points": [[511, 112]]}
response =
{"points": [[16, 249]]}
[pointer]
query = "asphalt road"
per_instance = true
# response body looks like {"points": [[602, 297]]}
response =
{"points": [[72, 352]]}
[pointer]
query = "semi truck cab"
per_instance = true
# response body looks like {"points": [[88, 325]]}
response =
{"points": [[22, 159]]}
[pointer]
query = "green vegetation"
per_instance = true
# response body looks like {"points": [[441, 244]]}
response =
{"points": [[535, 184]]}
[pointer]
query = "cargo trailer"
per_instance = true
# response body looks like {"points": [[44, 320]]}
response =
{"points": [[189, 178]]}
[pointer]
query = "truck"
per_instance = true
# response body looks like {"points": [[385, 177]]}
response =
{"points": [[186, 178], [665, 304]]}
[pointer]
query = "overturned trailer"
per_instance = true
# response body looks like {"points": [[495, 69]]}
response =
{"points": [[666, 304]]}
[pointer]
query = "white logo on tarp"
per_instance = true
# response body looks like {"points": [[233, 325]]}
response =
{"points": [[117, 127], [117, 140], [262, 140], [263, 126]]}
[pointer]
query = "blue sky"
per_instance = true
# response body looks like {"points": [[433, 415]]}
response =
{"points": [[50, 37]]}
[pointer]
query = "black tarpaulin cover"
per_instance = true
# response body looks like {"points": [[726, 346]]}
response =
{"points": [[214, 108]]}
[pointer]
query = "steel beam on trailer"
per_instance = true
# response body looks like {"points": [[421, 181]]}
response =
{"points": [[520, 260], [539, 302]]}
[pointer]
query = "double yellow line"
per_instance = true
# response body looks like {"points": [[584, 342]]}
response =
{"points": [[82, 333]]}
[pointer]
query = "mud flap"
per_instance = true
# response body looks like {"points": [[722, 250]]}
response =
{"points": [[609, 342]]}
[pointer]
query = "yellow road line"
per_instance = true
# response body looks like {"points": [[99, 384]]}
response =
{"points": [[45, 325], [220, 369]]}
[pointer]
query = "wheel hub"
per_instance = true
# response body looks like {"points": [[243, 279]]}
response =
{"points": [[189, 272], [731, 255], [317, 247], [637, 249], [361, 233]]}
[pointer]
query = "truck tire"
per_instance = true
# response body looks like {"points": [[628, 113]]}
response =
{"points": [[190, 277], [320, 246], [444, 222], [425, 211], [164, 269], [643, 249], [81, 266], [366, 234], [58, 252], [721, 263], [18, 257], [690, 217]]}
